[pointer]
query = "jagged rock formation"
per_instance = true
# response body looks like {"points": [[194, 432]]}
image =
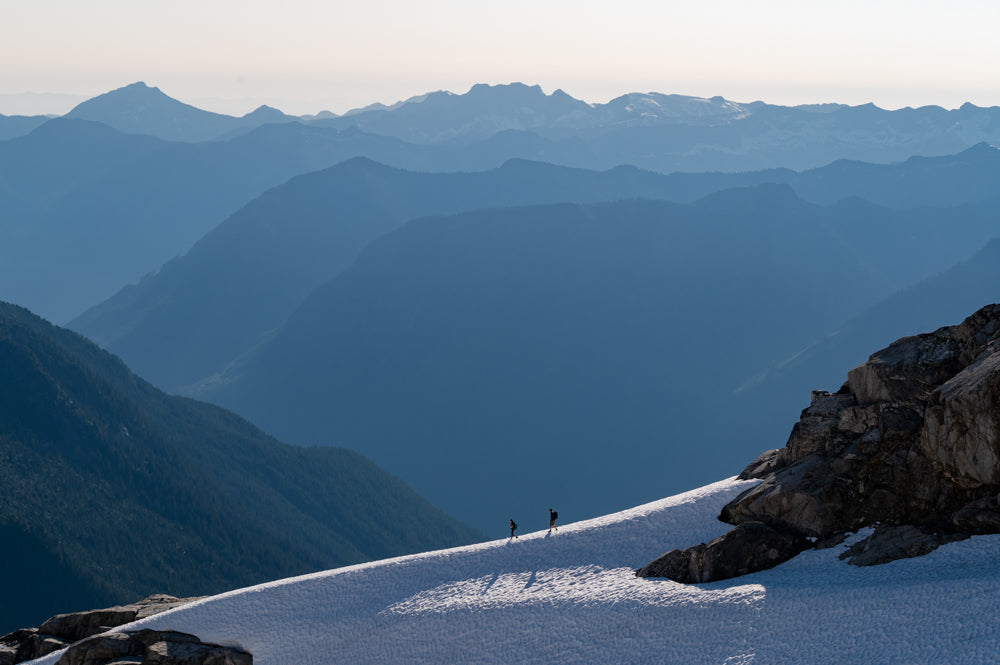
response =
{"points": [[63, 630], [911, 443]]}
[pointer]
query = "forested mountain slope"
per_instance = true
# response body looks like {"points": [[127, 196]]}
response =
{"points": [[111, 490]]}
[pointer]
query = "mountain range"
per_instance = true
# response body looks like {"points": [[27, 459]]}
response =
{"points": [[202, 310], [88, 209], [509, 299], [651, 130], [675, 132], [248, 318], [111, 490], [141, 109], [111, 208], [553, 344]]}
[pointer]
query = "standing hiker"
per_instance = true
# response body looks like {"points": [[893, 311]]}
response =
{"points": [[553, 516], [513, 525]]}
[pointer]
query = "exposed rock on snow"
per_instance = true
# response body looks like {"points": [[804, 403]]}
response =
{"points": [[889, 543], [750, 547], [26, 644], [152, 646], [62, 630], [912, 439]]}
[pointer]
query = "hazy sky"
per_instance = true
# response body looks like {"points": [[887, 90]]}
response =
{"points": [[304, 56]]}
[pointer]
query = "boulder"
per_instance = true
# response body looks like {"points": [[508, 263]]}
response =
{"points": [[62, 630], [677, 565], [152, 646], [78, 625], [980, 516], [27, 644], [750, 547], [892, 542]]}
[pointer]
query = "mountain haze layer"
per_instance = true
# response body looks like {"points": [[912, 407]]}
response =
{"points": [[652, 130], [674, 132], [90, 209], [245, 277], [528, 356], [141, 109], [202, 310], [932, 303], [110, 224]]}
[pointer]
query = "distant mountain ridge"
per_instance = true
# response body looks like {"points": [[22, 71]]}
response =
{"points": [[521, 107], [661, 132], [668, 133], [111, 490], [12, 126], [244, 278], [564, 341], [141, 109], [200, 311], [91, 210], [443, 117], [81, 198]]}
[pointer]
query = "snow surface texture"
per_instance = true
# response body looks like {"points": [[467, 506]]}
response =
{"points": [[572, 597]]}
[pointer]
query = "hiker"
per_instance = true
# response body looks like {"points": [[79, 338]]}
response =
{"points": [[553, 516], [513, 525]]}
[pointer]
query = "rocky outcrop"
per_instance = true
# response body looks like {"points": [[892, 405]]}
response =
{"points": [[890, 542], [911, 441], [152, 646], [62, 630], [750, 547], [27, 644]]}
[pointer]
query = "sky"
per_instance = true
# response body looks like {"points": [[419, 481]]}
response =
{"points": [[304, 56], [571, 596]]}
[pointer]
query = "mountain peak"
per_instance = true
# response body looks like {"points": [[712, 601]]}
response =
{"points": [[132, 93], [981, 149], [265, 113], [138, 108], [138, 85], [515, 87]]}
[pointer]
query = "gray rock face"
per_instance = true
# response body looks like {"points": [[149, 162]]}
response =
{"points": [[889, 543], [750, 547], [152, 646], [911, 440], [78, 625], [26, 644], [62, 630]]}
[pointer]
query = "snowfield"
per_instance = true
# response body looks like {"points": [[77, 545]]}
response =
{"points": [[572, 597]]}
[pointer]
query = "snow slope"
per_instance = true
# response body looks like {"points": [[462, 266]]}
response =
{"points": [[571, 597]]}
